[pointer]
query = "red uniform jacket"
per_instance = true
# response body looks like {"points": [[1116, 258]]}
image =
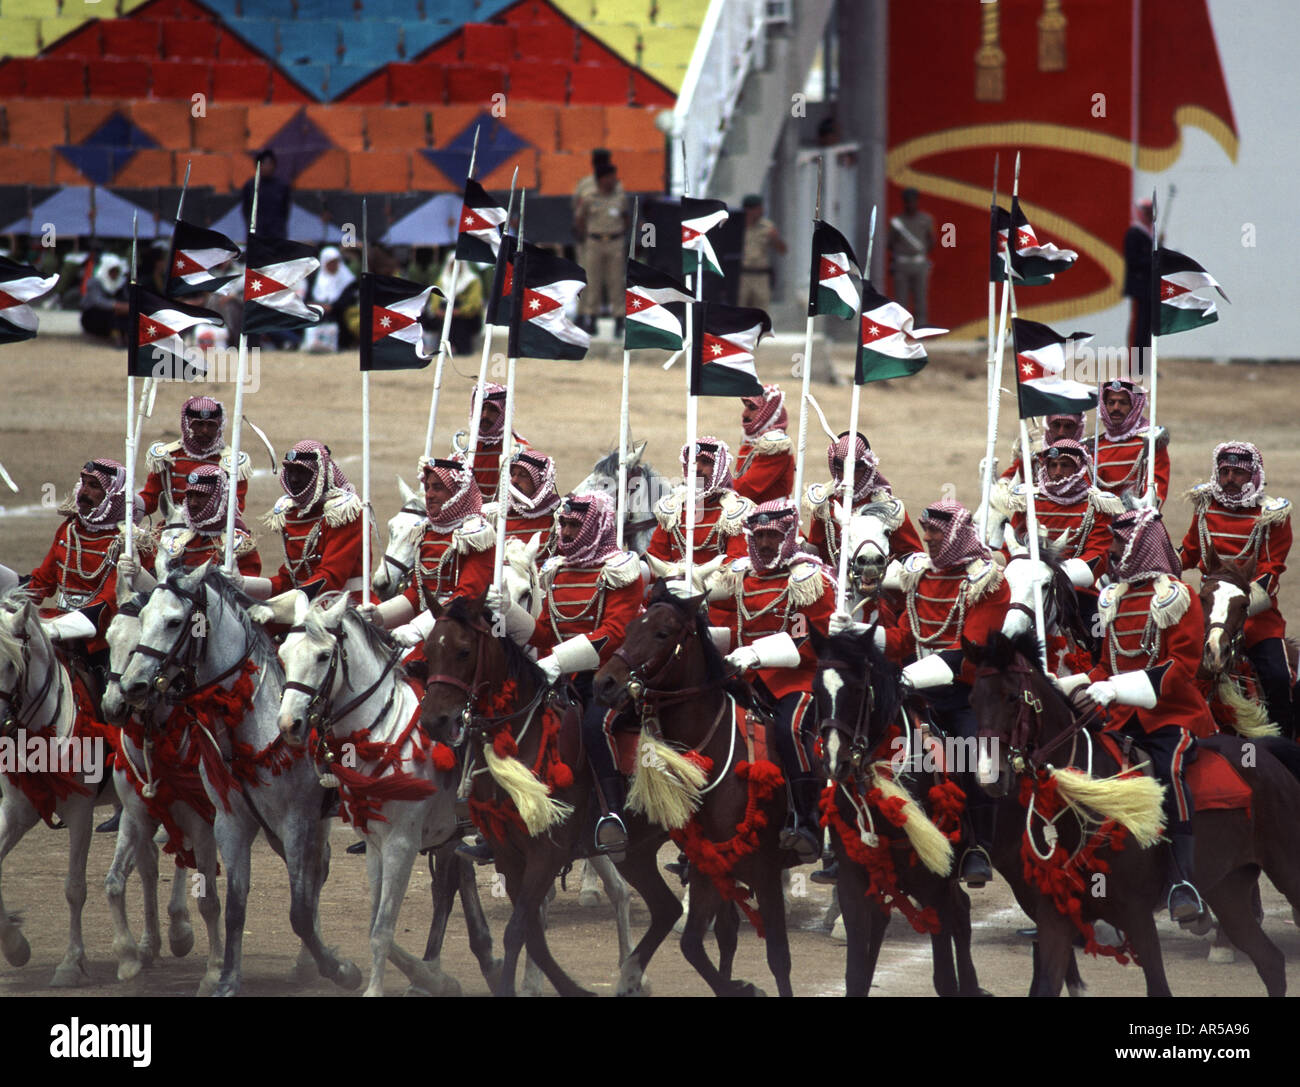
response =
{"points": [[1086, 523], [487, 462], [598, 601], [451, 564], [1122, 465], [824, 527], [322, 549], [943, 606], [790, 599], [1263, 533], [719, 527], [525, 528], [1169, 613], [170, 466], [765, 468], [182, 548]]}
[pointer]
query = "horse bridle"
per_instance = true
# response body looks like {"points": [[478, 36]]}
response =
{"points": [[321, 712], [13, 699], [639, 677], [403, 569], [1029, 712], [859, 747], [187, 668]]}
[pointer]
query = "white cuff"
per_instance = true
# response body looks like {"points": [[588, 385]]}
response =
{"points": [[394, 612], [73, 624], [423, 623], [259, 588], [931, 671], [721, 637], [776, 651], [1080, 573], [1260, 601], [893, 579], [576, 654], [1134, 689]]}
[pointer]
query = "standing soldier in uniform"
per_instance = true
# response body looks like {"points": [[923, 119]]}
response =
{"points": [[203, 422], [910, 243], [762, 239], [600, 223], [765, 459]]}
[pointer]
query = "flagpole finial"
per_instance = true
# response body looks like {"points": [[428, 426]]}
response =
{"points": [[180, 203], [1015, 191], [631, 240], [135, 241], [365, 238], [257, 185], [871, 241], [817, 207], [473, 153], [523, 198]]}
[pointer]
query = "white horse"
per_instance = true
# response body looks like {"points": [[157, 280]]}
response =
{"points": [[135, 836], [194, 631], [405, 528], [343, 678], [38, 709], [645, 487]]}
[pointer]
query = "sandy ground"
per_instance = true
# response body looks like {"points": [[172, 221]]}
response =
{"points": [[64, 403]]}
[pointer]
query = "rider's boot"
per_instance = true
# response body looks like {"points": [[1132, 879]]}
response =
{"points": [[976, 867], [1185, 905], [803, 837], [611, 834], [480, 852], [829, 872]]}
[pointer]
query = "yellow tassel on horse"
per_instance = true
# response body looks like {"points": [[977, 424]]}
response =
{"points": [[666, 786], [1250, 719], [1134, 802], [537, 808], [934, 850]]}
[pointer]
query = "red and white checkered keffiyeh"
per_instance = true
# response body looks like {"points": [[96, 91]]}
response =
{"points": [[778, 515], [597, 537], [465, 501], [111, 476], [1134, 421], [1074, 487], [1077, 421], [770, 413], [1148, 551], [202, 407], [325, 474], [721, 479], [1244, 455], [492, 393], [866, 467], [210, 481], [961, 543], [541, 470]]}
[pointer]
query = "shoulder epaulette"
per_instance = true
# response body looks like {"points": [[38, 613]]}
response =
{"points": [[1200, 495], [275, 519], [160, 455], [914, 568], [475, 533], [728, 580], [669, 508], [341, 507], [772, 443], [735, 508], [808, 583], [1108, 602], [816, 499], [1105, 502], [983, 576], [460, 442], [1169, 601], [245, 463], [1272, 511], [620, 569], [1162, 437]]}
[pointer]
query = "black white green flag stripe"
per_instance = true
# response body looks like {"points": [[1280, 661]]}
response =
{"points": [[1180, 309], [722, 349], [156, 347], [275, 268], [392, 337], [834, 267], [498, 306], [1032, 262], [481, 221], [649, 322], [195, 252], [1041, 384], [698, 218], [19, 284], [544, 287], [888, 345]]}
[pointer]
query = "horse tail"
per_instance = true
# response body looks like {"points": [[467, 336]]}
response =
{"points": [[1250, 719], [667, 786], [537, 808], [932, 847], [1134, 802]]}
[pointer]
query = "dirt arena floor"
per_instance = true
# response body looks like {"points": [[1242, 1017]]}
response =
{"points": [[65, 403]]}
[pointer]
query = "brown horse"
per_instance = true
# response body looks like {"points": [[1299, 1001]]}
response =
{"points": [[489, 701], [1036, 729], [669, 668]]}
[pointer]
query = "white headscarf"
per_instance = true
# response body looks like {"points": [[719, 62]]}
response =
{"points": [[330, 285], [108, 264]]}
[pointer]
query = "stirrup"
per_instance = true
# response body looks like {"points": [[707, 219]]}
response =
{"points": [[802, 842], [611, 837], [1187, 913], [976, 868]]}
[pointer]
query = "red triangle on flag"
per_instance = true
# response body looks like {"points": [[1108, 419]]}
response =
{"points": [[471, 221], [384, 322], [1028, 368], [151, 331], [1025, 238], [828, 269], [257, 284], [536, 304], [185, 264], [689, 234], [637, 303], [508, 280], [7, 300], [875, 330], [1170, 289], [715, 349]]}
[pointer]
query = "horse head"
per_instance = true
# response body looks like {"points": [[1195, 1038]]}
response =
{"points": [[857, 695], [405, 529], [171, 635], [122, 635], [465, 663], [20, 633], [310, 655], [867, 541], [645, 487], [1225, 601]]}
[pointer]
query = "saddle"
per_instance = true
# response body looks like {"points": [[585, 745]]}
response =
{"points": [[1213, 783]]}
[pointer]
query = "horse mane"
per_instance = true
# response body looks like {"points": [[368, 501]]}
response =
{"points": [[1000, 653], [881, 511], [608, 466], [860, 652], [715, 668], [519, 665], [11, 648], [238, 604], [1069, 616]]}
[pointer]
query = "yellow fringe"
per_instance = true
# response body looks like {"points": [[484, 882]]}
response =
{"points": [[666, 785], [1250, 719], [537, 808], [931, 846], [1134, 802]]}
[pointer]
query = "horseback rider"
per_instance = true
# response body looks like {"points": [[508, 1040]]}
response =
{"points": [[719, 514], [1233, 515], [532, 501], [319, 518], [80, 569], [491, 434], [777, 589], [955, 592], [1122, 448], [455, 555], [765, 459], [203, 422], [869, 487], [199, 535], [591, 591], [1055, 428], [1153, 631]]}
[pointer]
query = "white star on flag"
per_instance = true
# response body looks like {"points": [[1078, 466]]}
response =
{"points": [[255, 285], [385, 321]]}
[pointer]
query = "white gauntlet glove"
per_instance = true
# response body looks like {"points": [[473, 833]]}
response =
{"points": [[518, 622], [414, 633], [1102, 692], [550, 668], [743, 659]]}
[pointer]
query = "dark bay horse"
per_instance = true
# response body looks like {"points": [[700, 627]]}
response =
{"points": [[1036, 729], [490, 702], [670, 669]]}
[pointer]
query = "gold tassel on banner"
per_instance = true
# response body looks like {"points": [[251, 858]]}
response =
{"points": [[1051, 37], [990, 60]]}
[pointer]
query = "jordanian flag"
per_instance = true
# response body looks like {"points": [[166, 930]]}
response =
{"points": [[391, 335], [649, 322], [1033, 263], [275, 268], [498, 305], [722, 349], [888, 345], [544, 286], [194, 254], [698, 218], [831, 289], [1041, 355], [481, 219], [157, 347], [1180, 309], [19, 284], [999, 231]]}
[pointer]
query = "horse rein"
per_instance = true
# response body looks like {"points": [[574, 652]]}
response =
{"points": [[859, 748], [403, 569], [640, 676], [13, 720], [321, 713]]}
